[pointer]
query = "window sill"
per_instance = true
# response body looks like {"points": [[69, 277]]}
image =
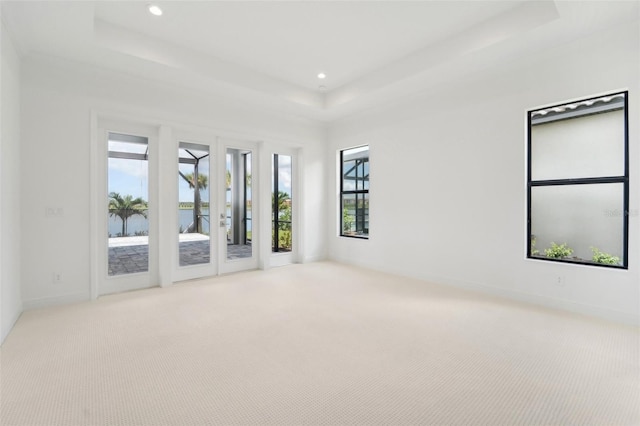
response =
{"points": [[355, 236], [578, 261]]}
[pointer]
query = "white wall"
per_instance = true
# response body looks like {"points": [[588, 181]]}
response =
{"points": [[10, 301], [58, 98], [448, 185]]}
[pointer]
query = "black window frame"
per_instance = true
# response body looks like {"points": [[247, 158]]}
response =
{"points": [[623, 179], [357, 193], [276, 222]]}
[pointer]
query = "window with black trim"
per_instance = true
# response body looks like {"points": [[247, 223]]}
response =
{"points": [[281, 229], [354, 192], [578, 182]]}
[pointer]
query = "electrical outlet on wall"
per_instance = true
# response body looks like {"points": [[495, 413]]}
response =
{"points": [[57, 277], [53, 212], [560, 280]]}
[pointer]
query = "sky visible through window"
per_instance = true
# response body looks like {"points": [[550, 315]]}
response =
{"points": [[130, 177], [349, 157], [184, 191], [284, 174]]}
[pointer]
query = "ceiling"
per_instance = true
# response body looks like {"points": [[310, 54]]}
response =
{"points": [[272, 51]]}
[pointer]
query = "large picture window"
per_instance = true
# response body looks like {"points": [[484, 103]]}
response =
{"points": [[354, 192], [578, 182]]}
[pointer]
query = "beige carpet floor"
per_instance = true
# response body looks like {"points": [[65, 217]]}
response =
{"points": [[320, 343]]}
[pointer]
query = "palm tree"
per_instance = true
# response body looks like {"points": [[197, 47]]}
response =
{"points": [[202, 182], [126, 206], [281, 230], [284, 204]]}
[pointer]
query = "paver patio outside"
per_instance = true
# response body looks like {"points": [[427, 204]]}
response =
{"points": [[130, 259]]}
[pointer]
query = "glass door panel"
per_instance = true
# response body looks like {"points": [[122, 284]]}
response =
{"points": [[128, 207], [281, 202], [238, 204], [194, 229], [124, 207]]}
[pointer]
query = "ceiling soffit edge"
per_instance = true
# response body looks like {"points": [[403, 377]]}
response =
{"points": [[160, 53], [509, 24]]}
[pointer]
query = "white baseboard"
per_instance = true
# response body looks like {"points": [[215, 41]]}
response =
{"points": [[545, 301], [533, 299], [311, 259], [55, 301], [12, 322]]}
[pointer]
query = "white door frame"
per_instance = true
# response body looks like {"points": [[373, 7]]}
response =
{"points": [[181, 273], [102, 283], [235, 265]]}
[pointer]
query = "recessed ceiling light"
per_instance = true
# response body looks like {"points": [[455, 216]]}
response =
{"points": [[322, 75], [154, 9]]}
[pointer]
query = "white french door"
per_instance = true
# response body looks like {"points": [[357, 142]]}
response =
{"points": [[125, 207], [169, 206], [196, 231]]}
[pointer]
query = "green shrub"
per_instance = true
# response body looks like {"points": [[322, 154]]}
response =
{"points": [[534, 250], [285, 240], [560, 251], [347, 220], [604, 258]]}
